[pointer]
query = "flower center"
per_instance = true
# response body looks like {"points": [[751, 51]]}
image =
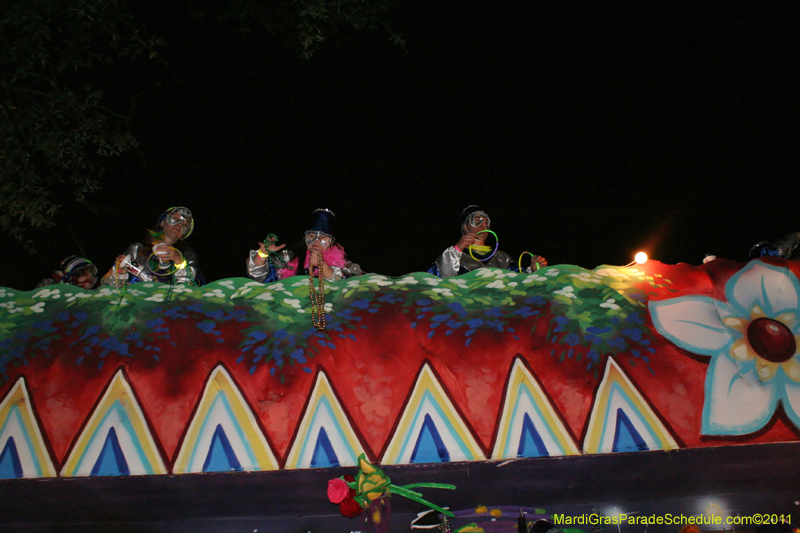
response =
{"points": [[771, 339]]}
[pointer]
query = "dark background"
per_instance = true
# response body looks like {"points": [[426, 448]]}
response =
{"points": [[587, 130]]}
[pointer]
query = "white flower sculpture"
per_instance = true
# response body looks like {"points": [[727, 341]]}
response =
{"points": [[753, 341]]}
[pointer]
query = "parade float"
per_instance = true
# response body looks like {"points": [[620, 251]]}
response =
{"points": [[648, 390]]}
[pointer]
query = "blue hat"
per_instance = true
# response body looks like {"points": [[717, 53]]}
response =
{"points": [[322, 222]]}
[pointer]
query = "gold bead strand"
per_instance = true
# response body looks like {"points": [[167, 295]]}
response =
{"points": [[317, 296]]}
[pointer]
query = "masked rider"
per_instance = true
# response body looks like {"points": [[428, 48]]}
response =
{"points": [[457, 259], [272, 261], [163, 257], [73, 270]]}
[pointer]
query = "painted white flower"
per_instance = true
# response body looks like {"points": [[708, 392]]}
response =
{"points": [[135, 292], [533, 277], [216, 293], [496, 284], [266, 296], [293, 302], [513, 284], [148, 284], [613, 272], [752, 340], [47, 293], [433, 282], [4, 293], [38, 308], [552, 272], [275, 287], [300, 283], [181, 288], [443, 292], [408, 280], [104, 291], [328, 307], [567, 291], [610, 304], [228, 283], [158, 297], [353, 283], [240, 292], [77, 295], [486, 272]]}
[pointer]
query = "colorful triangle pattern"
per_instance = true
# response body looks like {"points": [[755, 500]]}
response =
{"points": [[23, 452], [529, 425], [117, 439], [325, 437], [223, 434], [430, 429], [621, 419]]}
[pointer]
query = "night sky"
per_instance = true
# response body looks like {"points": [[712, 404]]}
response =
{"points": [[587, 130]]}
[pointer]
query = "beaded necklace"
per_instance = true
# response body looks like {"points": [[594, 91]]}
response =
{"points": [[317, 296]]}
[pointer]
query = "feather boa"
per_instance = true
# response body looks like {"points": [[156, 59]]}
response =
{"points": [[334, 256]]}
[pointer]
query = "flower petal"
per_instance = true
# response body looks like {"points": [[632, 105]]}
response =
{"points": [[691, 322], [735, 403], [791, 402], [773, 289], [792, 368]]}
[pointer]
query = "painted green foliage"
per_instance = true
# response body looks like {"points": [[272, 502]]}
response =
{"points": [[586, 314]]}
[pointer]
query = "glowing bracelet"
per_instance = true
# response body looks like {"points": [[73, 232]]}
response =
{"points": [[166, 271], [496, 246], [182, 265], [262, 255], [533, 261]]}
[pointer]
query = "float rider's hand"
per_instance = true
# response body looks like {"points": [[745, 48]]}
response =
{"points": [[466, 241], [165, 252], [264, 251]]}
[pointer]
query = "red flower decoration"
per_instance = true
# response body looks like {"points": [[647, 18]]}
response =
{"points": [[338, 490], [350, 508]]}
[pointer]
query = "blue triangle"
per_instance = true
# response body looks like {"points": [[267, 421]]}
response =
{"points": [[429, 447], [323, 452], [221, 457], [111, 461], [530, 443], [10, 467], [626, 438]]}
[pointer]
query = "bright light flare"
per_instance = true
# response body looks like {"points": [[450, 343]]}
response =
{"points": [[640, 258]]}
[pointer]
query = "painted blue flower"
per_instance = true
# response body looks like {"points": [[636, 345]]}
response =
{"points": [[752, 340]]}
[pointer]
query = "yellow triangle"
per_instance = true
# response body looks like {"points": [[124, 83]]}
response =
{"points": [[324, 410], [37, 462], [253, 451], [429, 396], [616, 383], [558, 439], [143, 457]]}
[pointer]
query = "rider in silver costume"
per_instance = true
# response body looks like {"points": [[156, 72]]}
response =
{"points": [[457, 259], [163, 257]]}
